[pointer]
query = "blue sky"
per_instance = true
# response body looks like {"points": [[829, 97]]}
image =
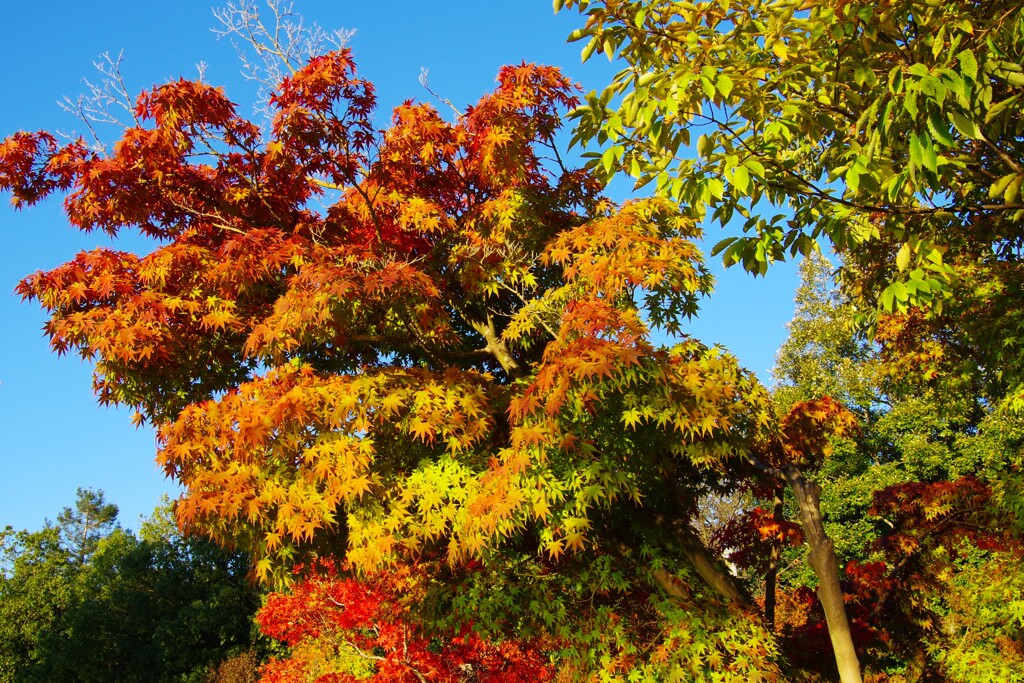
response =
{"points": [[53, 436]]}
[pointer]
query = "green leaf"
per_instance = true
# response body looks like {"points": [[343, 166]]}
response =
{"points": [[703, 145], [915, 150], [755, 166], [557, 4], [708, 86], [577, 34], [1010, 196], [608, 46], [741, 179], [862, 74], [965, 126], [903, 257], [853, 179], [608, 160], [896, 184], [721, 245], [895, 80], [887, 299], [716, 188], [999, 187], [724, 84], [634, 167], [631, 417], [925, 152], [932, 254], [910, 101], [999, 107], [968, 64], [939, 41], [939, 130]]}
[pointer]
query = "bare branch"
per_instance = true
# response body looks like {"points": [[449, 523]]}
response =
{"points": [[425, 82], [105, 102], [274, 45]]}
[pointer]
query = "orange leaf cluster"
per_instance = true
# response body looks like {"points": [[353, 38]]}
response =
{"points": [[808, 428]]}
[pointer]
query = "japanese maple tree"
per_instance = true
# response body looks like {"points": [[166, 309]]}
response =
{"points": [[429, 345]]}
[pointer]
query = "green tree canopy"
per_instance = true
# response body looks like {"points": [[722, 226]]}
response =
{"points": [[923, 504], [893, 131], [36, 590], [823, 355], [162, 608]]}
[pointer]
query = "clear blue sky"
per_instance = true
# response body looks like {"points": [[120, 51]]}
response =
{"points": [[53, 436]]}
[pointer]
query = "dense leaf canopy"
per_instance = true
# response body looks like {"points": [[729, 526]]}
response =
{"points": [[153, 608], [891, 131]]}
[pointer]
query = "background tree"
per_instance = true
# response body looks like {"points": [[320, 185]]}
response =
{"points": [[911, 503], [83, 527], [823, 354], [36, 589], [161, 608]]}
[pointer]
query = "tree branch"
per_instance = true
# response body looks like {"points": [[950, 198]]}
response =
{"points": [[495, 345], [668, 582], [713, 573]]}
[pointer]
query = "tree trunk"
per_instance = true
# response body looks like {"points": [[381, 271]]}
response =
{"points": [[823, 560], [771, 576]]}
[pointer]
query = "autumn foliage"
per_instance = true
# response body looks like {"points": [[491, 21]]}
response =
{"points": [[393, 337], [422, 364], [343, 629], [429, 343]]}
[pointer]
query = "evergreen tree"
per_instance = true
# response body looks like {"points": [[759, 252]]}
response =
{"points": [[86, 600], [83, 526]]}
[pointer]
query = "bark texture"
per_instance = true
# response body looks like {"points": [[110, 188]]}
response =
{"points": [[823, 561], [772, 575]]}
